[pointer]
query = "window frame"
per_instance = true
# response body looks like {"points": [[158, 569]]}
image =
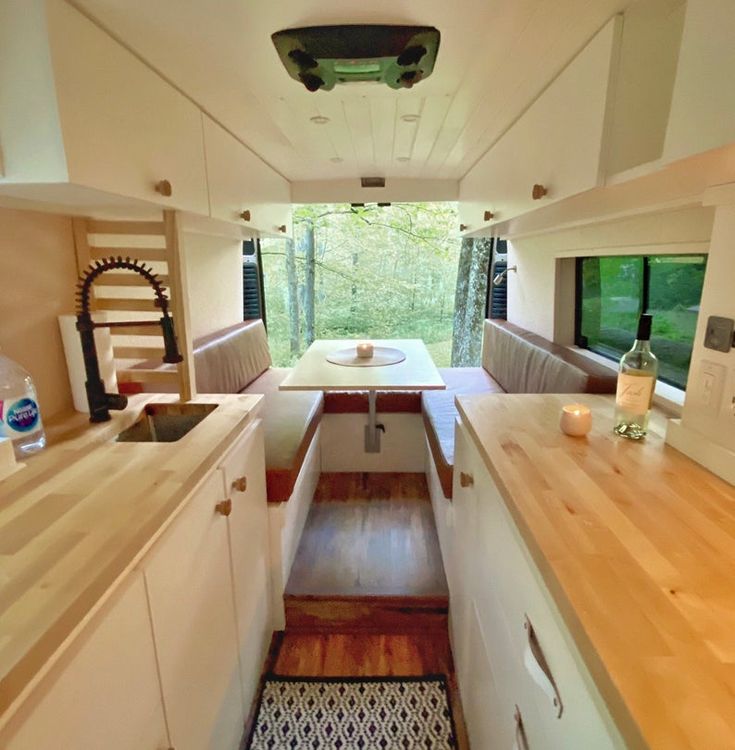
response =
{"points": [[581, 341]]}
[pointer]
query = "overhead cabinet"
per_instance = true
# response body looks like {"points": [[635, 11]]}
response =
{"points": [[86, 124], [554, 150], [78, 110], [242, 187]]}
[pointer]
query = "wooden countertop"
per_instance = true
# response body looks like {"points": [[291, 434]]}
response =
{"points": [[636, 544], [81, 514]]}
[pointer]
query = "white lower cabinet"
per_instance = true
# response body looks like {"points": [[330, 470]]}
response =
{"points": [[189, 585], [516, 639], [243, 472], [104, 692]]}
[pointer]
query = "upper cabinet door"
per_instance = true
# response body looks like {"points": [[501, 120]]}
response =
{"points": [[104, 692], [242, 187], [79, 108], [703, 105], [557, 144]]}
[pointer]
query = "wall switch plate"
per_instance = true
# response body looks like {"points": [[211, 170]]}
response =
{"points": [[719, 333], [712, 378]]}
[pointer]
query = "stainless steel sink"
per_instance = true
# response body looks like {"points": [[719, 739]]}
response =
{"points": [[165, 423]]}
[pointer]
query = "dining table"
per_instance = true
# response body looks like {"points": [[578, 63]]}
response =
{"points": [[379, 365]]}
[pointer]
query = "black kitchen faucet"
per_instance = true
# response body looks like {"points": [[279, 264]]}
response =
{"points": [[100, 402]]}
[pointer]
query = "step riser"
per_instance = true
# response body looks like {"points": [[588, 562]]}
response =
{"points": [[364, 616]]}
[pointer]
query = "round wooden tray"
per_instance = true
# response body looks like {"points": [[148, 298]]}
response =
{"points": [[382, 355]]}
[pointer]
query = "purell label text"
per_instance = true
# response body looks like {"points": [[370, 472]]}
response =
{"points": [[22, 416]]}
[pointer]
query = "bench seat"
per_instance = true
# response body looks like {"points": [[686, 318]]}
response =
{"points": [[439, 413], [290, 421], [513, 361]]}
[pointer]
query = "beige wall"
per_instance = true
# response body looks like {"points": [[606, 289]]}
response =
{"points": [[533, 291], [214, 270], [717, 420], [38, 272]]}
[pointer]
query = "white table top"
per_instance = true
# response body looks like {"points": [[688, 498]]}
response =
{"points": [[314, 373]]}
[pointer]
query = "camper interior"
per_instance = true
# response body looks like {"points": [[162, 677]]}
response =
{"points": [[354, 525]]}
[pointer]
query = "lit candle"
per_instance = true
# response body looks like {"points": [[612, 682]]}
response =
{"points": [[365, 350], [576, 420]]}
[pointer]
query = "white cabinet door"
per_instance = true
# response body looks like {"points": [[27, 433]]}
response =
{"points": [[104, 692], [506, 589], [556, 143], [107, 121], [703, 105], [239, 181], [243, 472], [463, 565], [190, 592]]}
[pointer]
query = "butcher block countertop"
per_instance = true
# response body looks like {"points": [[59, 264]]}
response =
{"points": [[82, 513], [636, 544]]}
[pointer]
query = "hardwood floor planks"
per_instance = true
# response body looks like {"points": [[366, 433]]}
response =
{"points": [[369, 535]]}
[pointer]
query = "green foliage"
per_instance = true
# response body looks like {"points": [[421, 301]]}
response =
{"points": [[381, 272]]}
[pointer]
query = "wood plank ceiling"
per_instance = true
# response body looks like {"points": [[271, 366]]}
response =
{"points": [[495, 58]]}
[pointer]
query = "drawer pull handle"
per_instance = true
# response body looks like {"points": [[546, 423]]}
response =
{"points": [[163, 187], [240, 484], [245, 215], [520, 742], [466, 480], [537, 666], [224, 508]]}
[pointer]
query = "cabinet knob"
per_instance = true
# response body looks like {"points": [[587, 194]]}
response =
{"points": [[462, 227], [466, 480], [488, 215], [240, 484], [282, 229], [163, 187], [224, 508], [538, 192], [245, 215]]}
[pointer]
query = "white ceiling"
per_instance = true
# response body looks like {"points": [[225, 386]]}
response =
{"points": [[495, 57]]}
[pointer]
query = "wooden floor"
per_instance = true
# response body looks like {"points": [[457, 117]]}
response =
{"points": [[369, 535], [367, 595]]}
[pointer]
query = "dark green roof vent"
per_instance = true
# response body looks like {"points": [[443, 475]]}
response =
{"points": [[322, 56]]}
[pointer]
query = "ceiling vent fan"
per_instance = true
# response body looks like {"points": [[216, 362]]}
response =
{"points": [[322, 56]]}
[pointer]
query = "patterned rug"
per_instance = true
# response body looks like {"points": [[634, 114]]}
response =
{"points": [[354, 713]]}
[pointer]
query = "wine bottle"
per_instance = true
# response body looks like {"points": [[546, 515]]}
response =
{"points": [[636, 383]]}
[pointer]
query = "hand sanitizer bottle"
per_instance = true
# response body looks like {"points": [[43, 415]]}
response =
{"points": [[20, 416]]}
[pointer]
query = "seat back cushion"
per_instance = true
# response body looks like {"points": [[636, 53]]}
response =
{"points": [[230, 359], [523, 362]]}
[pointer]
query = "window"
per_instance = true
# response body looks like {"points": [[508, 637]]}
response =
{"points": [[612, 292]]}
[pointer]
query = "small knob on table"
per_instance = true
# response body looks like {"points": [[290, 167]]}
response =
{"points": [[163, 187], [282, 229], [538, 192], [224, 508], [240, 484], [462, 227], [245, 215], [488, 215]]}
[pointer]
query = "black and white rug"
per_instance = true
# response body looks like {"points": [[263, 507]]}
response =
{"points": [[354, 713]]}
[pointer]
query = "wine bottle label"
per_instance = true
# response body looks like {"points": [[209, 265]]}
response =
{"points": [[634, 393]]}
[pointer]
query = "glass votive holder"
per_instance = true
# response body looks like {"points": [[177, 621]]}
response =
{"points": [[576, 420]]}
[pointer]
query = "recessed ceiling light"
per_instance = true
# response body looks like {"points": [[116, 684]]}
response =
{"points": [[410, 118], [403, 158], [319, 120], [335, 159]]}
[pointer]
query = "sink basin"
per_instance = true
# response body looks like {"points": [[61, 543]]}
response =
{"points": [[165, 423]]}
